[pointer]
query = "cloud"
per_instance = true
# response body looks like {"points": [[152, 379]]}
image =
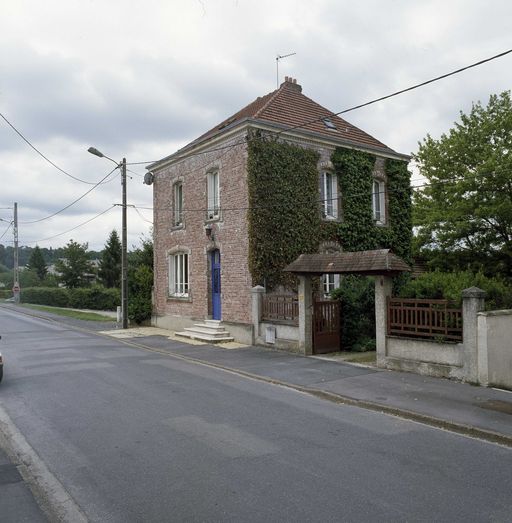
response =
{"points": [[141, 81]]}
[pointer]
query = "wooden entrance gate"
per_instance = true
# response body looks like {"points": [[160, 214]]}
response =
{"points": [[326, 326]]}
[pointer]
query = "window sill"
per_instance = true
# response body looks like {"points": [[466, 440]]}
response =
{"points": [[177, 227], [179, 298], [212, 220], [331, 218]]}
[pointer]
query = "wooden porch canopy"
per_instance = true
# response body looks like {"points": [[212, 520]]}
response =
{"points": [[368, 263]]}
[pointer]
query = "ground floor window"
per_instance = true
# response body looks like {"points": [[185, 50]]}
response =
{"points": [[329, 283], [178, 275]]}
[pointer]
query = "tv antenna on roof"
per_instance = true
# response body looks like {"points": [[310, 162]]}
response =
{"points": [[279, 57]]}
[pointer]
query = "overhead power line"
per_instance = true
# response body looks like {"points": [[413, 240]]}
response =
{"points": [[42, 155], [5, 232], [279, 204], [359, 106], [72, 203], [73, 228], [396, 93]]}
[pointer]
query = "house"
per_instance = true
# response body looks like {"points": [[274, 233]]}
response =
{"points": [[280, 177]]}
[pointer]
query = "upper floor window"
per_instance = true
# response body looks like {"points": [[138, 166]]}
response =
{"points": [[379, 201], [329, 194], [178, 275], [178, 204], [213, 195]]}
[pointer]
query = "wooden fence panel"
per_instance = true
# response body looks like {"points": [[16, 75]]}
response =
{"points": [[430, 319], [280, 307]]}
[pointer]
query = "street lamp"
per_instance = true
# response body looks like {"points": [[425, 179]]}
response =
{"points": [[124, 257]]}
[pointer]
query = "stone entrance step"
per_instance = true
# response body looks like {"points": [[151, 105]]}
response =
{"points": [[211, 331]]}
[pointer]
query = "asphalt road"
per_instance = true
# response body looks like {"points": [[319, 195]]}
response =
{"points": [[133, 435]]}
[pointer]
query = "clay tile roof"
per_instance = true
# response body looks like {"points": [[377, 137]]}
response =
{"points": [[288, 107], [381, 261]]}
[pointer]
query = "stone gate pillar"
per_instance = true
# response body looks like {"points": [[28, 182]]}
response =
{"points": [[383, 289], [305, 315], [473, 301], [257, 298]]}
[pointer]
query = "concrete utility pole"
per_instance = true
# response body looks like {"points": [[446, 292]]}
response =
{"points": [[16, 285], [124, 254], [124, 240]]}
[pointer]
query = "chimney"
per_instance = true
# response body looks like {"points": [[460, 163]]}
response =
{"points": [[291, 83]]}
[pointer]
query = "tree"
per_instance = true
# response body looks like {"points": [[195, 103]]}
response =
{"points": [[75, 265], [37, 264], [139, 303], [110, 264], [466, 209], [140, 281]]}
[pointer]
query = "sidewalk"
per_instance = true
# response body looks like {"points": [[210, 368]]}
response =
{"points": [[17, 502], [476, 411]]}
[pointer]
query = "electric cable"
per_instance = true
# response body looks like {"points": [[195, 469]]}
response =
{"points": [[72, 229], [72, 203], [359, 106], [42, 155], [225, 209], [141, 215], [396, 93], [5, 232]]}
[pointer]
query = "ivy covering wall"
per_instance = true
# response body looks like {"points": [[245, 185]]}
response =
{"points": [[285, 219], [357, 230]]}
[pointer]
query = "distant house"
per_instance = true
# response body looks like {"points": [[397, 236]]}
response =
{"points": [[90, 277], [203, 240]]}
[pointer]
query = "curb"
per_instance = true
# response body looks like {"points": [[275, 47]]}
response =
{"points": [[448, 425]]}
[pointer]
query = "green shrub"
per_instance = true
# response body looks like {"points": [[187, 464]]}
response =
{"points": [[5, 293], [449, 285], [364, 345], [139, 303], [357, 295], [95, 298], [53, 296]]}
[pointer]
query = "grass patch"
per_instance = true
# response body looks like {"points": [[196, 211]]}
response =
{"points": [[369, 357], [70, 313]]}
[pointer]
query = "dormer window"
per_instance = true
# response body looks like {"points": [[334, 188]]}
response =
{"points": [[329, 124], [213, 211], [379, 202], [329, 195]]}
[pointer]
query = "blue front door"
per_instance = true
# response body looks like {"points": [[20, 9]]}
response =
{"points": [[215, 271]]}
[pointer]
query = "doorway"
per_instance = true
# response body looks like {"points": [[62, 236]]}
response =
{"points": [[326, 326], [215, 284]]}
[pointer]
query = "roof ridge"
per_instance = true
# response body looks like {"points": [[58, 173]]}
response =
{"points": [[272, 97]]}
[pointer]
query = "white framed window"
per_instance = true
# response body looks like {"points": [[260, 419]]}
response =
{"points": [[379, 201], [213, 195], [178, 275], [329, 195], [329, 283], [178, 204]]}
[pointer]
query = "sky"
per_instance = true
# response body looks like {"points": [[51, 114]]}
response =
{"points": [[139, 80]]}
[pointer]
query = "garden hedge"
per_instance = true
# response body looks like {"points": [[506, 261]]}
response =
{"points": [[95, 298]]}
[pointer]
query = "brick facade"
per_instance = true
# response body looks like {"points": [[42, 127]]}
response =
{"points": [[223, 149], [229, 235]]}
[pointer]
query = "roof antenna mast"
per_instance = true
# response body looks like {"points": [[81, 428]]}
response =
{"points": [[279, 57]]}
